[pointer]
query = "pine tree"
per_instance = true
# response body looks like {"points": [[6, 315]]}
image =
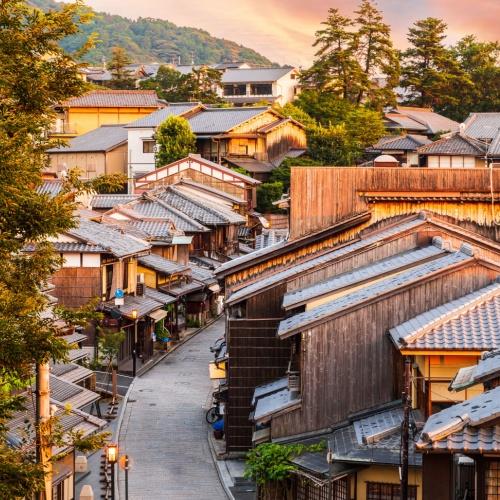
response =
{"points": [[376, 55], [122, 77], [175, 140], [430, 73]]}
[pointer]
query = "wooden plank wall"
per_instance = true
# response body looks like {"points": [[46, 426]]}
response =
{"points": [[349, 363], [75, 286], [329, 194], [248, 367]]}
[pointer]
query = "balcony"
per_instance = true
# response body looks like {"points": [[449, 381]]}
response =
{"points": [[63, 128]]}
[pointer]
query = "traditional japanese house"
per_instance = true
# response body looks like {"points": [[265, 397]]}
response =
{"points": [[446, 339], [402, 147], [414, 120]]}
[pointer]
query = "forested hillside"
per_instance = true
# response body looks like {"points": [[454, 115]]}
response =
{"points": [[147, 40]]}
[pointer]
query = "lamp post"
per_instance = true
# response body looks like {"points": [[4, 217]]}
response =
{"points": [[112, 457], [134, 349]]}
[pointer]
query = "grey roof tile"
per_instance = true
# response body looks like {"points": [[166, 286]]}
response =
{"points": [[408, 142], [471, 322], [181, 289], [162, 265], [494, 147], [214, 121], [404, 122], [274, 402], [115, 242], [143, 304], [270, 237], [158, 230], [102, 139], [67, 392], [269, 388], [52, 187], [455, 145], [312, 263], [115, 98], [300, 321], [111, 200], [71, 372], [161, 297], [202, 274], [154, 119], [68, 247], [254, 75], [390, 265], [463, 427], [488, 367], [482, 125]]}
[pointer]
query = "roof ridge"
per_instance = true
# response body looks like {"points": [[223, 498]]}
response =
{"points": [[489, 292]]}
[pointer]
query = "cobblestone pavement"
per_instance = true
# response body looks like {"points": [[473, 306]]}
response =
{"points": [[164, 430]]}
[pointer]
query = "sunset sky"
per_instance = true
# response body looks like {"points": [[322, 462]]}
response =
{"points": [[283, 30]]}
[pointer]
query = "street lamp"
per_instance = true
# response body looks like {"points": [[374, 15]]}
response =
{"points": [[112, 457], [134, 350]]}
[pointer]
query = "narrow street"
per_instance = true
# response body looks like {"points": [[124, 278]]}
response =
{"points": [[164, 430]]}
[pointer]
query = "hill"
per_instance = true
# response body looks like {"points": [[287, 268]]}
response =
{"points": [[148, 40]]}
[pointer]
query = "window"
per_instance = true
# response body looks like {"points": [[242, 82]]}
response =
{"points": [[233, 89], [492, 481], [262, 89], [148, 146], [388, 491]]}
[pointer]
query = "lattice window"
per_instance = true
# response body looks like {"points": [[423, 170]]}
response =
{"points": [[388, 491], [307, 490], [492, 481]]}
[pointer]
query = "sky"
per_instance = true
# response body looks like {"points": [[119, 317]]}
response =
{"points": [[283, 30]]}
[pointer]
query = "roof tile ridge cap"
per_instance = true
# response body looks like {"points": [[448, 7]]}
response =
{"points": [[457, 424], [204, 206], [461, 309], [179, 213]]}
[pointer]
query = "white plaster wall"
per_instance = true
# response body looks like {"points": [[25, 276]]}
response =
{"points": [[91, 260], [139, 161]]}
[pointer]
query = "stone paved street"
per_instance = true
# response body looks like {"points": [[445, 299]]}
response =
{"points": [[164, 430]]}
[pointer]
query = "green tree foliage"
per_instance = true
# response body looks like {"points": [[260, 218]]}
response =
{"points": [[351, 53], [147, 39], [122, 77], [175, 140], [200, 85], [332, 145], [292, 111], [282, 173], [109, 345], [36, 73], [268, 192], [271, 462], [430, 73]]}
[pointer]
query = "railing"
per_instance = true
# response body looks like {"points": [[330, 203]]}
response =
{"points": [[63, 128]]}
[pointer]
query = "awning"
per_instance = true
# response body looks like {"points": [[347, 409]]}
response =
{"points": [[158, 315], [216, 372]]}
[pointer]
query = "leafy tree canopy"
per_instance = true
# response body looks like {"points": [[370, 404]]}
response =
{"points": [[122, 77], [175, 140]]}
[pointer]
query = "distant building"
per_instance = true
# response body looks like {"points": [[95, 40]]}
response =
{"points": [[248, 86], [402, 147]]}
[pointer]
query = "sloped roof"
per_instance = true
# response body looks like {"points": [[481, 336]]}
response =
{"points": [[52, 187], [67, 392], [162, 265], [152, 229], [457, 144], [209, 190], [251, 164], [361, 274], [316, 262], [254, 75], [494, 147], [102, 139], [143, 304], [111, 200], [432, 120], [270, 237], [320, 314], [408, 142], [463, 426], [471, 322], [212, 121], [482, 125], [115, 98], [161, 297], [154, 119], [114, 241], [201, 210], [404, 122], [487, 367], [273, 402]]}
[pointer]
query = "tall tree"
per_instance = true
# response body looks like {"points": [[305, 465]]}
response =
{"points": [[175, 140], [168, 84], [376, 55], [36, 74], [336, 68], [122, 77], [432, 77]]}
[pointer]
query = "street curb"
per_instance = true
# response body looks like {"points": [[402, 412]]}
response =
{"points": [[222, 472], [176, 346]]}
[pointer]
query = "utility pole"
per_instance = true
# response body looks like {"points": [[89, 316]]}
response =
{"points": [[405, 438], [42, 425]]}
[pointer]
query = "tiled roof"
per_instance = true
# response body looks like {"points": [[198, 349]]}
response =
{"points": [[71, 372], [482, 125], [270, 237], [113, 241], [302, 321], [488, 367], [314, 262], [162, 265], [157, 229], [104, 138], [251, 164], [372, 271], [463, 427], [74, 338], [52, 187], [140, 303], [409, 142], [154, 119], [67, 392], [214, 121], [161, 297], [202, 275], [457, 144], [182, 289], [271, 403], [254, 75], [269, 388], [471, 323], [111, 200], [115, 98], [494, 147], [68, 247], [191, 186], [201, 210], [404, 122]]}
